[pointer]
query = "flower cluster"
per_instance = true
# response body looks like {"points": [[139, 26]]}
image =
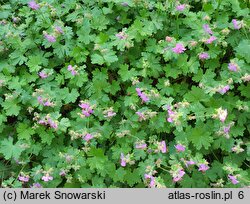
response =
{"points": [[44, 101], [72, 70], [47, 121], [86, 109]]}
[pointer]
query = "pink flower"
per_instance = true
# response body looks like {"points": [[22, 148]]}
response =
{"points": [[47, 178], [226, 129], [36, 185], [43, 75], [144, 98], [124, 4], [40, 99], [236, 24], [123, 160], [179, 48], [42, 122], [23, 178], [59, 29], [207, 29], [168, 39], [142, 95], [141, 116], [52, 123], [147, 176], [188, 163], [152, 182], [180, 148], [62, 173], [222, 114], [163, 147], [33, 5], [50, 38], [210, 40], [171, 115], [180, 7], [72, 70], [86, 109], [141, 146], [224, 89], [121, 35], [48, 103], [203, 167], [179, 176], [203, 55], [84, 105], [233, 67], [233, 179], [88, 137]]}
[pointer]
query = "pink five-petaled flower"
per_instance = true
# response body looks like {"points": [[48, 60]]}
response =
{"points": [[180, 148], [163, 147], [224, 89], [50, 38], [141, 146], [207, 29], [88, 137], [233, 179], [123, 160], [203, 55], [23, 178], [236, 24], [47, 178], [211, 39], [33, 5], [179, 48], [179, 176], [203, 167], [143, 96], [180, 7], [43, 75], [233, 67]]}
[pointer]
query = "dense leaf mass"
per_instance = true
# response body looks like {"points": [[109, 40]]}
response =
{"points": [[113, 93]]}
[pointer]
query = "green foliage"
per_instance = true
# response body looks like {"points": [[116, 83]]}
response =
{"points": [[92, 91]]}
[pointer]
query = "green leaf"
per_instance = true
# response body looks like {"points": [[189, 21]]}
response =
{"points": [[24, 131], [97, 59], [46, 136], [10, 150], [126, 74], [11, 107], [64, 124], [132, 177], [243, 49], [200, 137], [196, 95]]}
